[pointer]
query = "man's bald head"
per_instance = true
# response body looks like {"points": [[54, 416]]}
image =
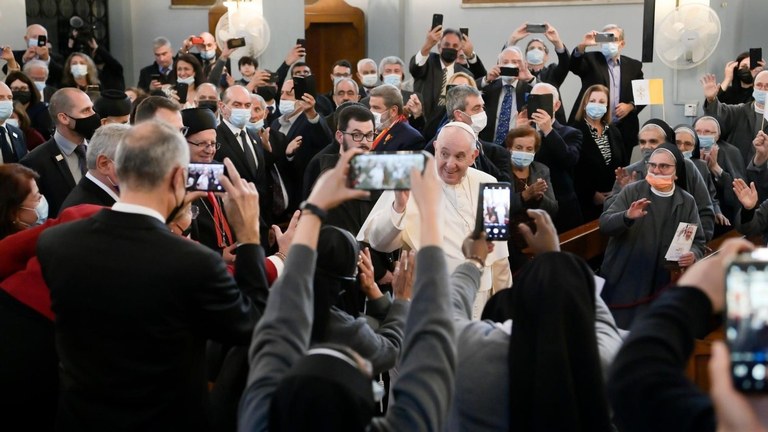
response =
{"points": [[35, 30]]}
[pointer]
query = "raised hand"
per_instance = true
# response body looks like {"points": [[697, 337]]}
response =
{"points": [[545, 239], [709, 86], [747, 195], [623, 177], [519, 34], [638, 208]]}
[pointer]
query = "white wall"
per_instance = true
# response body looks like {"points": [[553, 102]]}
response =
{"points": [[13, 25]]}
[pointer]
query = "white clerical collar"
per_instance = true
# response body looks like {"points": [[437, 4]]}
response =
{"points": [[138, 209], [663, 194], [100, 184]]}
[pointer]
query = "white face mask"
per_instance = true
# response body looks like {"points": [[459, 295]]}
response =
{"points": [[79, 70], [12, 122], [370, 80], [376, 119], [392, 79], [188, 80], [479, 121], [287, 107]]}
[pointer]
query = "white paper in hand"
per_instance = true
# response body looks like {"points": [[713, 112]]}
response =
{"points": [[682, 242]]}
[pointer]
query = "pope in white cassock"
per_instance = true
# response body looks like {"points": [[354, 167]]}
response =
{"points": [[394, 222]]}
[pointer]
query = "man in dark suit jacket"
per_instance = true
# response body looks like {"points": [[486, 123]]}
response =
{"points": [[429, 68], [13, 146], [466, 105], [162, 66], [394, 131], [560, 150], [132, 338], [495, 88], [100, 185], [601, 68], [61, 161], [33, 51]]}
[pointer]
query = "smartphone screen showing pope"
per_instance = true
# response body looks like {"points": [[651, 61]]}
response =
{"points": [[205, 177], [384, 171], [493, 210], [746, 295]]}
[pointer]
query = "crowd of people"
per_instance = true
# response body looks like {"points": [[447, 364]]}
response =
{"points": [[140, 292]]}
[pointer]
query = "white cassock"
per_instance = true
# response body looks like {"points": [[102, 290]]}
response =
{"points": [[386, 231]]}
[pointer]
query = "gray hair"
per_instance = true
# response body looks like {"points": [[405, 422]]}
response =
{"points": [[28, 66], [609, 27], [104, 142], [148, 153], [364, 61], [390, 94], [550, 89], [350, 80], [391, 60], [160, 41], [259, 99], [456, 98], [510, 48], [717, 123]]}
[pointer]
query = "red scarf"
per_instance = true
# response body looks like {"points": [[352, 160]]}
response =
{"points": [[384, 135]]}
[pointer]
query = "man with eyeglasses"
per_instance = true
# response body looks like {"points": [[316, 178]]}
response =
{"points": [[642, 222], [394, 133], [651, 136], [327, 103]]}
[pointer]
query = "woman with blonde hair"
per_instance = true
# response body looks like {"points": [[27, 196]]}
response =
{"points": [[80, 72]]}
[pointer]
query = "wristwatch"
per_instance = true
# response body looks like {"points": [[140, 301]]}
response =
{"points": [[315, 210]]}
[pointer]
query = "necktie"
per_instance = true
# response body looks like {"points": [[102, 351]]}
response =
{"points": [[249, 159], [80, 152], [5, 146], [441, 101], [502, 128], [271, 109]]}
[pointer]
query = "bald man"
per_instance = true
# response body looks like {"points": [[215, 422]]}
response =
{"points": [[61, 161], [207, 96], [34, 52], [206, 52], [13, 146], [394, 221], [739, 123]]}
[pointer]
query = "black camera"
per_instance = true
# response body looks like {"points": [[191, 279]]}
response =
{"points": [[81, 33]]}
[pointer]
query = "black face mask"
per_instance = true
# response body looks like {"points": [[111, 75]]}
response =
{"points": [[86, 126], [449, 55], [176, 209], [211, 105], [745, 76], [23, 96], [267, 92]]}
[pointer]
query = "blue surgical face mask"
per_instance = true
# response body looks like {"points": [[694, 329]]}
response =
{"points": [[392, 79], [40, 85], [32, 43], [759, 96], [41, 210], [257, 125], [595, 110], [79, 70], [239, 117], [6, 109], [688, 154], [535, 56], [208, 55], [706, 141], [609, 49], [522, 159]]}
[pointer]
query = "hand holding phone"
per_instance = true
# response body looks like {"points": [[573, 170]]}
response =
{"points": [[235, 43], [603, 37], [509, 71], [42, 40], [493, 211], [540, 101], [301, 42], [536, 28], [755, 56], [196, 40], [181, 91]]}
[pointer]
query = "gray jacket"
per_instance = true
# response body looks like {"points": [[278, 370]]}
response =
{"points": [[738, 123]]}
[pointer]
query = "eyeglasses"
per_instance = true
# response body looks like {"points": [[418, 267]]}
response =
{"points": [[659, 166], [206, 144], [184, 130], [358, 136]]}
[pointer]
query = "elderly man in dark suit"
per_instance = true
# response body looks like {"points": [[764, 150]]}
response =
{"points": [[431, 71], [615, 71], [13, 146], [61, 161], [161, 68], [560, 150], [100, 185], [394, 131], [131, 338], [36, 52], [505, 95]]}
